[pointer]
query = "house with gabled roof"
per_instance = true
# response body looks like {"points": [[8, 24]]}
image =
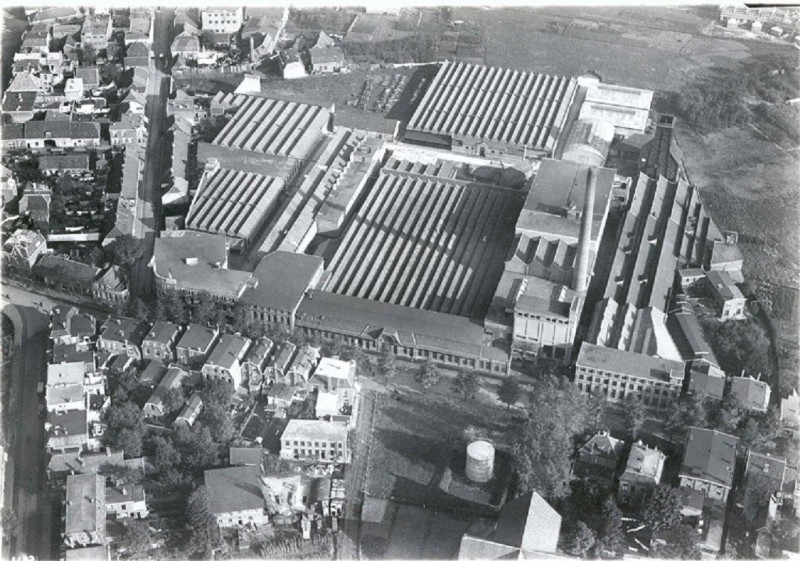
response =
{"points": [[225, 360], [122, 336], [752, 393], [160, 341], [22, 249], [599, 459], [767, 479], [190, 412], [528, 528], [255, 362], [195, 344], [708, 462], [173, 379], [235, 497], [68, 326], [643, 471]]}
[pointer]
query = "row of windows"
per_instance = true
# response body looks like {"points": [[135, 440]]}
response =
{"points": [[542, 318], [313, 444], [622, 379]]}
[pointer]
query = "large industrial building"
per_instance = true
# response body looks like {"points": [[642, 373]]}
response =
{"points": [[493, 112]]}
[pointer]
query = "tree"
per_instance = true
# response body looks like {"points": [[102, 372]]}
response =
{"points": [[9, 520], [739, 346], [509, 391], [218, 421], [687, 412], [197, 449], [727, 414], [596, 406], [609, 529], [121, 474], [165, 454], [467, 384], [205, 310], [122, 383], [679, 542], [661, 508], [171, 307], [216, 392], [202, 524], [172, 400], [125, 428], [137, 308], [635, 416], [580, 540], [135, 539], [387, 363], [427, 375], [125, 251]]}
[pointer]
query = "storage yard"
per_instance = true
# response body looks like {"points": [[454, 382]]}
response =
{"points": [[425, 239]]}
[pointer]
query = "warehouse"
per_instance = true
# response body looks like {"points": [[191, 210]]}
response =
{"points": [[234, 203], [493, 112]]}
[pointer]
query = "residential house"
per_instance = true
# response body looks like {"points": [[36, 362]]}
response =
{"points": [[790, 414], [27, 82], [528, 528], [623, 376], [326, 56], [61, 134], [90, 75], [304, 363], [130, 129], [140, 27], [195, 344], [96, 32], [326, 405], [61, 163], [74, 89], [35, 204], [688, 278], [726, 295], [767, 479], [19, 107], [65, 275], [186, 21], [225, 20], [315, 440], [281, 395], [642, 472], [338, 377], [752, 393], [137, 55], [85, 513], [599, 459], [152, 374], [111, 287], [240, 456], [122, 336], [225, 360], [22, 249], [54, 15], [255, 363], [185, 46], [65, 374], [286, 493], [160, 341], [691, 501], [12, 136], [126, 501], [235, 497], [293, 67], [190, 412], [70, 327], [173, 379], [278, 369], [62, 398], [75, 463], [186, 106], [708, 462], [706, 380], [67, 431]]}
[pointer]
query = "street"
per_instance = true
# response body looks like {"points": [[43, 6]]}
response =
{"points": [[148, 211], [27, 492]]}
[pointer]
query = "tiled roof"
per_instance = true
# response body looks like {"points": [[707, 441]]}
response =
{"points": [[710, 455], [234, 489]]}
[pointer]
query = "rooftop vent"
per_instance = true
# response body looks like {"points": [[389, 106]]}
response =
{"points": [[192, 261]]}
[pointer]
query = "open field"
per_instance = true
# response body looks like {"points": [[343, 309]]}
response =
{"points": [[418, 450]]}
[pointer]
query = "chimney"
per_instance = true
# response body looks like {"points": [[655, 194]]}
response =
{"points": [[580, 276]]}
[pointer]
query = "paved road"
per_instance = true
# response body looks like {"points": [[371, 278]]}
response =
{"points": [[29, 494], [148, 212]]}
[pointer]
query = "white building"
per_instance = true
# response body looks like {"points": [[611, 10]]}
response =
{"points": [[222, 20], [315, 440]]}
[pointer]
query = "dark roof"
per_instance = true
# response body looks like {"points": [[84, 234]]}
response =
{"points": [[528, 523], [153, 373], [710, 455], [18, 101], [687, 333], [752, 393], [233, 489], [373, 122], [283, 277], [124, 330], [705, 384], [61, 129], [661, 155], [412, 327], [63, 161], [58, 266], [12, 131], [197, 337], [239, 456], [162, 332], [137, 50], [628, 363]]}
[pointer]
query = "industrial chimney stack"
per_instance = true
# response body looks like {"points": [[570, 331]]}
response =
{"points": [[580, 277]]}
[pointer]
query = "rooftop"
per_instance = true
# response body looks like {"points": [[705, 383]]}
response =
{"points": [[162, 333], [313, 429], [153, 373], [59, 266], [228, 350], [629, 364], [645, 461], [495, 104], [234, 489], [123, 330], [709, 455], [86, 509], [722, 283], [752, 393], [125, 494], [67, 373], [197, 337], [283, 277], [197, 261]]}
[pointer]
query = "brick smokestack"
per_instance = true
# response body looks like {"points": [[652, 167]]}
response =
{"points": [[580, 277]]}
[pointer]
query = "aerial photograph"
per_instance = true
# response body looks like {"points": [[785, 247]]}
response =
{"points": [[449, 282]]}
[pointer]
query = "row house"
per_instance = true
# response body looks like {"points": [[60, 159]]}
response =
{"points": [[255, 362], [96, 32], [160, 341], [122, 336], [111, 287], [225, 360], [61, 134], [195, 344], [303, 365], [130, 129], [70, 327], [278, 369]]}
